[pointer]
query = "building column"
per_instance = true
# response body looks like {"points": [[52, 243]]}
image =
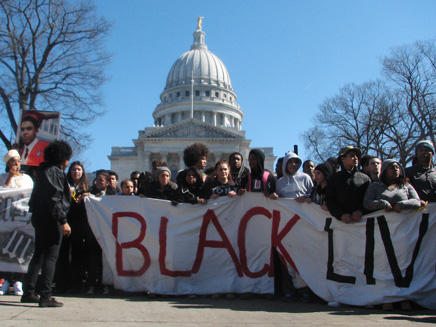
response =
{"points": [[214, 118], [164, 156], [181, 162], [203, 116], [180, 116], [146, 164]]}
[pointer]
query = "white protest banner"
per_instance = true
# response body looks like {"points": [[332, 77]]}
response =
{"points": [[225, 246], [17, 236]]}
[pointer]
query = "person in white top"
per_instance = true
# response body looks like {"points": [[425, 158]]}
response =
{"points": [[13, 179]]}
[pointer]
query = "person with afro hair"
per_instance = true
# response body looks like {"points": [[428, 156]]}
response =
{"points": [[196, 155], [49, 203]]}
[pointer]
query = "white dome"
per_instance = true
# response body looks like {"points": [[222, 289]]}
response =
{"points": [[208, 68], [198, 86]]}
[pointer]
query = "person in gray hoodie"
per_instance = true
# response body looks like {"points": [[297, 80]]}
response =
{"points": [[392, 193], [294, 184]]}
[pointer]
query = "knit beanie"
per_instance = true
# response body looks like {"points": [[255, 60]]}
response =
{"points": [[424, 143], [326, 169]]}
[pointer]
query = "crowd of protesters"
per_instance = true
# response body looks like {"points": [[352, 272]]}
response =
{"points": [[66, 250]]}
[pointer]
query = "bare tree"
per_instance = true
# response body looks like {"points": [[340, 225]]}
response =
{"points": [[353, 117], [412, 70], [52, 58], [386, 120]]}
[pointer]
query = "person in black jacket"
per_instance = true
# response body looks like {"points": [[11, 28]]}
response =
{"points": [[162, 188], [190, 182], [49, 204], [238, 170], [346, 189]]}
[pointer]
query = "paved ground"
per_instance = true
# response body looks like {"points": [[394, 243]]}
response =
{"points": [[136, 310]]}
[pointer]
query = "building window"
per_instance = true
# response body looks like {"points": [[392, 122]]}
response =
{"points": [[186, 93], [225, 95], [178, 94], [231, 99], [207, 93], [217, 94], [197, 93]]}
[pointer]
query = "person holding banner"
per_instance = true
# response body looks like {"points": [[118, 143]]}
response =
{"points": [[422, 174], [259, 179], [393, 193], [190, 182], [13, 179], [298, 186], [94, 260], [49, 204], [322, 174], [222, 185], [238, 171], [162, 188], [346, 189]]}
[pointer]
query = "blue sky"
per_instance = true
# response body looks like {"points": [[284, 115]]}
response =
{"points": [[284, 58]]}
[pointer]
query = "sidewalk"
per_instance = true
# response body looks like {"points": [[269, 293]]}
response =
{"points": [[136, 310]]}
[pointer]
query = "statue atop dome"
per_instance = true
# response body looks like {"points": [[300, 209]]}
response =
{"points": [[199, 20]]}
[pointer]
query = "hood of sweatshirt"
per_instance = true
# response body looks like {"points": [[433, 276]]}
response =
{"points": [[287, 157], [260, 156]]}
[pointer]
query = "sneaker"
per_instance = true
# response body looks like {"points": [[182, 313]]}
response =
{"points": [[4, 289], [18, 288], [334, 304], [31, 298], [50, 302], [106, 290], [91, 290]]}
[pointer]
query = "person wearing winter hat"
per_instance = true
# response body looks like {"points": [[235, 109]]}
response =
{"points": [[322, 174], [422, 175], [346, 189], [162, 187]]}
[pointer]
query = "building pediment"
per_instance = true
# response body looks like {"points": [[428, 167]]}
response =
{"points": [[190, 128]]}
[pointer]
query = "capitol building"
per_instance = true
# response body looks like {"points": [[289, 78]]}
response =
{"points": [[197, 105]]}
